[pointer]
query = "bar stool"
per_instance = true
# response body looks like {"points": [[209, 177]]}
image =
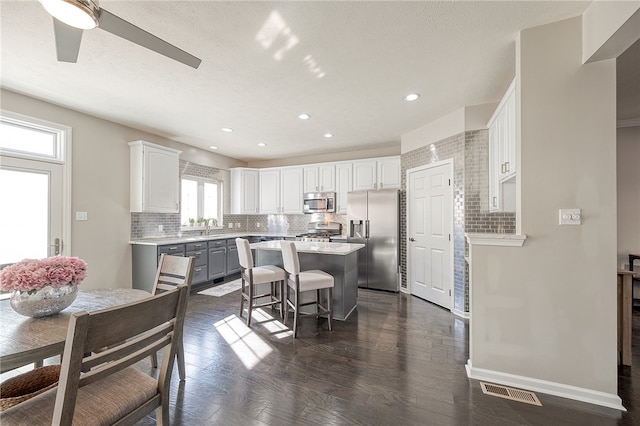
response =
{"points": [[252, 276], [304, 281]]}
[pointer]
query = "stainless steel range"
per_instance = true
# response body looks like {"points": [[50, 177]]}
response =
{"points": [[321, 232]]}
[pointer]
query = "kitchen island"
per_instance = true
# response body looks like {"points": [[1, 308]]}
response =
{"points": [[337, 259]]}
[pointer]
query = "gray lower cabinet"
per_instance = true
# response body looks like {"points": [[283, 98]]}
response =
{"points": [[214, 259], [199, 251], [217, 259], [233, 263], [144, 259]]}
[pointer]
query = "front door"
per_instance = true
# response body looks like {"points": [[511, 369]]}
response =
{"points": [[31, 216], [429, 229]]}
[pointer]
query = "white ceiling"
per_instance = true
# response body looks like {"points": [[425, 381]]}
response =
{"points": [[347, 64]]}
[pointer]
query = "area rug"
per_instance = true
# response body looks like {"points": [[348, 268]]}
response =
{"points": [[222, 289]]}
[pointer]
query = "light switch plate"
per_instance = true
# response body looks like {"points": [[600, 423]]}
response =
{"points": [[82, 216], [570, 217]]}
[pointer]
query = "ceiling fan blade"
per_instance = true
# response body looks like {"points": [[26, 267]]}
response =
{"points": [[118, 26], [67, 41]]}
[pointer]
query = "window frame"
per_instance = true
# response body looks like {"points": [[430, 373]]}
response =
{"points": [[200, 201]]}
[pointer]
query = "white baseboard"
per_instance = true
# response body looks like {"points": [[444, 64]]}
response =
{"points": [[461, 314], [543, 386]]}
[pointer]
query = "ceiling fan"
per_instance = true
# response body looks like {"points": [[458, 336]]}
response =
{"points": [[71, 17]]}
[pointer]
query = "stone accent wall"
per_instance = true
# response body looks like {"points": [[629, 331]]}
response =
{"points": [[470, 154]]}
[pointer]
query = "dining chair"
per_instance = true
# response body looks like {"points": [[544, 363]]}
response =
{"points": [[103, 387], [173, 271], [254, 276], [304, 281]]}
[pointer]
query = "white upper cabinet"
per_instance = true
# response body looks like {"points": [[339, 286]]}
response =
{"points": [[244, 191], [270, 191], [281, 190], [291, 190], [154, 178], [320, 178], [344, 185], [380, 173], [502, 153]]}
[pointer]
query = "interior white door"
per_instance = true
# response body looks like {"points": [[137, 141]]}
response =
{"points": [[429, 228], [31, 221]]}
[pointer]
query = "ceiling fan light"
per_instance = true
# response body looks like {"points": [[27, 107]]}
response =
{"points": [[81, 14]]}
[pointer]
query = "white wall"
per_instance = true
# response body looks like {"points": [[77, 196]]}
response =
{"points": [[100, 185], [628, 178], [547, 311]]}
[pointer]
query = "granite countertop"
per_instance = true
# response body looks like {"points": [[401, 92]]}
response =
{"points": [[159, 241], [312, 247]]}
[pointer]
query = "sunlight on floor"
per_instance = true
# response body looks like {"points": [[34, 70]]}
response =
{"points": [[248, 346]]}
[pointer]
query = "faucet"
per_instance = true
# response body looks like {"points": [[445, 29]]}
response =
{"points": [[207, 228]]}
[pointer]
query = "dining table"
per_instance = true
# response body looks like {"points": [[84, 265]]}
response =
{"points": [[25, 340]]}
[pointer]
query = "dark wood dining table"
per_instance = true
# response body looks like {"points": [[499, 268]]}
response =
{"points": [[25, 340]]}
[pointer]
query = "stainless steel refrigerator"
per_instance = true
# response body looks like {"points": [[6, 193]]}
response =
{"points": [[374, 220]]}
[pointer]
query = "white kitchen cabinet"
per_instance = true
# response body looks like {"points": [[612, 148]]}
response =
{"points": [[502, 154], [281, 190], [291, 190], [154, 178], [319, 178], [344, 185], [244, 190], [380, 173], [269, 191]]}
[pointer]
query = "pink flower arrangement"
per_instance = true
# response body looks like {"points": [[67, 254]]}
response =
{"points": [[33, 274]]}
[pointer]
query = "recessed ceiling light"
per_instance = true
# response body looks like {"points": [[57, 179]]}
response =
{"points": [[411, 97], [213, 147], [304, 116], [262, 144], [227, 129], [328, 135]]}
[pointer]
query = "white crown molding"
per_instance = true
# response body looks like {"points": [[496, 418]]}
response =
{"points": [[552, 388], [632, 122]]}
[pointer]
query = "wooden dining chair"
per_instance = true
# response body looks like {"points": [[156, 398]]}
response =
{"points": [[173, 271], [253, 276], [304, 281], [102, 387]]}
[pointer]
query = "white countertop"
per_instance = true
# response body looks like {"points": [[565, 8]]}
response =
{"points": [[341, 249], [158, 241]]}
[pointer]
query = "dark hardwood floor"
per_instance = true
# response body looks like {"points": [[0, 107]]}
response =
{"points": [[398, 360]]}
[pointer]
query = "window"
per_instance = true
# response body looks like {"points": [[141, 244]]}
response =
{"points": [[30, 138], [201, 199]]}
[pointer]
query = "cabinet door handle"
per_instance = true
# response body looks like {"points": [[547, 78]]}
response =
{"points": [[495, 201], [380, 186], [506, 167]]}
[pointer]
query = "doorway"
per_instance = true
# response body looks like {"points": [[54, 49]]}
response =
{"points": [[429, 232]]}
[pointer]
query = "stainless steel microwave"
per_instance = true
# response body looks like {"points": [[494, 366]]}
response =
{"points": [[319, 202]]}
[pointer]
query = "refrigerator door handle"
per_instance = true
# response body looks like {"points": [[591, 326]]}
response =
{"points": [[366, 229]]}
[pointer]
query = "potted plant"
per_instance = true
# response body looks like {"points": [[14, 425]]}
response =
{"points": [[201, 221], [192, 221]]}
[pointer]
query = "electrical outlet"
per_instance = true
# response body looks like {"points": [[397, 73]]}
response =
{"points": [[230, 225], [160, 228], [82, 216], [237, 224], [570, 217], [257, 224]]}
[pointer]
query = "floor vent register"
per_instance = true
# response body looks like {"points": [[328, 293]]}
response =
{"points": [[510, 393]]}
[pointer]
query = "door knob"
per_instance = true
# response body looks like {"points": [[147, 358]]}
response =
{"points": [[412, 239]]}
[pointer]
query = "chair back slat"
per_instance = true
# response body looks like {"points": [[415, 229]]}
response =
{"points": [[173, 271], [290, 257], [244, 253]]}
